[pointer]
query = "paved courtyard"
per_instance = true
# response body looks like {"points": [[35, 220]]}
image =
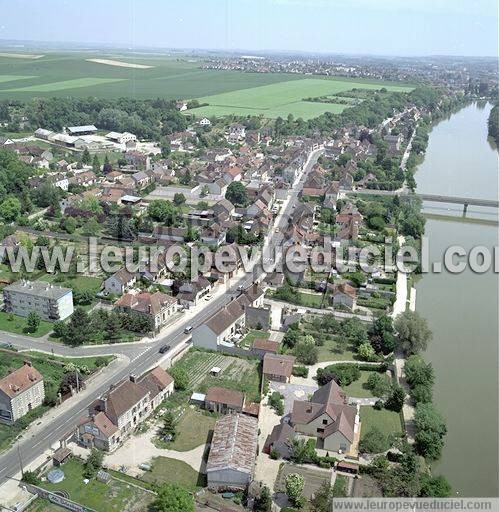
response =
{"points": [[292, 392]]}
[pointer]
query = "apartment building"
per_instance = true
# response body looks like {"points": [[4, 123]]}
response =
{"points": [[50, 302]]}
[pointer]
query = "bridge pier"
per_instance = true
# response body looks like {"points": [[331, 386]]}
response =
{"points": [[465, 209]]}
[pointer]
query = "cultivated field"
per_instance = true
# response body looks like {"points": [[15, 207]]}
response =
{"points": [[172, 77], [278, 100]]}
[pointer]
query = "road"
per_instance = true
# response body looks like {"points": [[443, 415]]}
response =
{"points": [[48, 435]]}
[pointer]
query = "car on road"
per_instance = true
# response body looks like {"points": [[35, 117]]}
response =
{"points": [[188, 329], [164, 349], [208, 297]]}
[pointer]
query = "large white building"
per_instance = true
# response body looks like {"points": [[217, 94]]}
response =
{"points": [[20, 392], [50, 302]]}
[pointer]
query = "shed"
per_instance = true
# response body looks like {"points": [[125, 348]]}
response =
{"points": [[61, 455], [347, 467], [215, 371], [198, 398]]}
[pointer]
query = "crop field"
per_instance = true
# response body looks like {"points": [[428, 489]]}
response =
{"points": [[283, 98], [172, 77]]}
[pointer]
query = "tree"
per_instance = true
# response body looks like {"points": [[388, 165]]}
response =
{"points": [[113, 326], [294, 484], [291, 336], [435, 487], [178, 199], [418, 372], [30, 477], [306, 351], [378, 384], [236, 194], [96, 164], [169, 428], [263, 503], [430, 431], [85, 157], [32, 321], [78, 328], [366, 352], [180, 378], [162, 211], [69, 224], [323, 499], [375, 441], [412, 331], [172, 497], [395, 400], [10, 209], [93, 463]]}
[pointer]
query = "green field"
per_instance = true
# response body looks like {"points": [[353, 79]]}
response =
{"points": [[66, 84], [283, 98], [174, 77]]}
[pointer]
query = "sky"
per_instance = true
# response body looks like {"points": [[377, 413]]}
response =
{"points": [[378, 27]]}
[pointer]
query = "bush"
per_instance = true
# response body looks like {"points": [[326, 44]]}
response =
{"points": [[343, 374], [374, 441], [300, 371], [274, 454], [276, 401], [180, 378]]}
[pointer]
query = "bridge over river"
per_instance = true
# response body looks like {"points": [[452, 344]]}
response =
{"points": [[465, 201]]}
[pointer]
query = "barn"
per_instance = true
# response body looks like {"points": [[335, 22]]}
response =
{"points": [[233, 453]]}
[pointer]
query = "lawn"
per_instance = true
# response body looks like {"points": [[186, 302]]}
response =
{"points": [[193, 430], [113, 497], [252, 335], [387, 421], [165, 469], [340, 486], [52, 369], [332, 350], [82, 283], [358, 388], [17, 325], [280, 99]]}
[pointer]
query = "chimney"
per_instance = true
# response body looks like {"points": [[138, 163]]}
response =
{"points": [[133, 378], [28, 363]]}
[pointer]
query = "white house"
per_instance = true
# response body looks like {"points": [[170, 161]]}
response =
{"points": [[20, 392], [120, 282]]}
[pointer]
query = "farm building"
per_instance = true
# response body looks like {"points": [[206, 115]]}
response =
{"points": [[233, 453], [278, 367]]}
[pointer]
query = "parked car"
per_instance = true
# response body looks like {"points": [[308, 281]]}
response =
{"points": [[188, 329]]}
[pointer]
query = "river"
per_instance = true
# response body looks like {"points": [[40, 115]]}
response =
{"points": [[462, 309]]}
